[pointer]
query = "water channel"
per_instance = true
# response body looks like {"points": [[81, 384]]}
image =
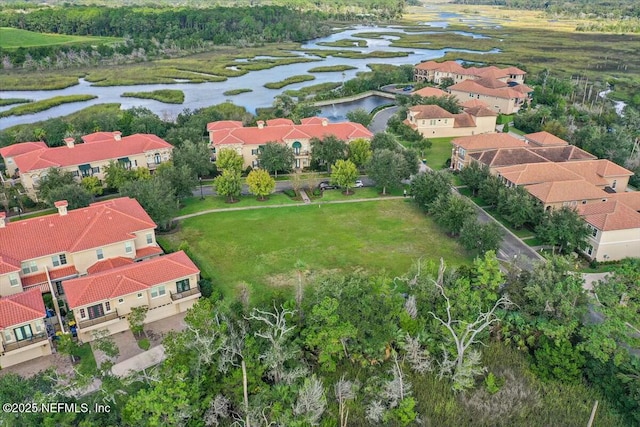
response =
{"points": [[198, 95]]}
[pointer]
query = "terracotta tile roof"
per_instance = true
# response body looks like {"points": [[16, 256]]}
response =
{"points": [[515, 71], [280, 122], [565, 191], [596, 171], [444, 67], [20, 308], [89, 152], [108, 264], [21, 148], [491, 72], [128, 279], [311, 127], [426, 92], [470, 86], [567, 153], [474, 103], [535, 173], [315, 120], [58, 273], [149, 251], [464, 120], [430, 112], [101, 136], [8, 265], [480, 111], [490, 82], [97, 225], [507, 157], [610, 215], [629, 198], [522, 88], [488, 141], [223, 124], [545, 139]]}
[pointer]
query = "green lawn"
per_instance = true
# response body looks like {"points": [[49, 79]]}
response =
{"points": [[439, 152], [195, 204], [12, 38], [358, 193], [260, 247]]}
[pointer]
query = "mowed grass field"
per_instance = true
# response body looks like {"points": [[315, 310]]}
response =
{"points": [[13, 38], [260, 248]]}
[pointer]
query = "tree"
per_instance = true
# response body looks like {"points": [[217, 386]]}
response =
{"points": [[260, 183], [75, 194], [359, 115], [384, 141], [228, 184], [275, 157], [311, 402], [194, 155], [451, 212], [328, 150], [412, 164], [386, 168], [426, 187], [491, 190], [54, 179], [229, 159], [563, 229], [518, 207], [136, 319], [182, 180], [152, 194], [360, 152], [473, 176], [116, 175], [480, 238], [92, 184], [344, 174], [344, 391]]}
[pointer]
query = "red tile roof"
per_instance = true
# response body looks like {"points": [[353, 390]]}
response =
{"points": [[565, 191], [97, 225], [21, 148], [149, 251], [535, 173], [480, 111], [108, 264], [280, 122], [610, 215], [223, 124], [21, 308], [8, 265], [426, 92], [56, 274], [596, 171], [488, 141], [491, 82], [470, 86], [507, 157], [311, 127], [545, 139], [629, 198], [430, 112], [128, 279], [99, 150], [464, 120], [474, 103]]}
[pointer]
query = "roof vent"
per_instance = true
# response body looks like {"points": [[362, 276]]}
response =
{"points": [[70, 142], [62, 207], [260, 124], [117, 135]]}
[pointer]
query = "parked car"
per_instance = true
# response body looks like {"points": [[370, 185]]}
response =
{"points": [[407, 88], [359, 184], [326, 185]]}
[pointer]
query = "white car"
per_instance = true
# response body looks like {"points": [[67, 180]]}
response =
{"points": [[358, 184]]}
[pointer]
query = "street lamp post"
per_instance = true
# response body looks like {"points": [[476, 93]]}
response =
{"points": [[201, 195]]}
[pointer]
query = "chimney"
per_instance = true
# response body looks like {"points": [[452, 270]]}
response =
{"points": [[117, 135], [62, 207], [3, 220], [325, 122], [70, 142], [260, 124]]}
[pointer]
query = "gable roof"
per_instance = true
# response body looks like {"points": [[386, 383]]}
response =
{"points": [[488, 141], [311, 127], [20, 308], [128, 279], [535, 173], [610, 215], [474, 103], [596, 171], [21, 148], [8, 265], [568, 153], [97, 225], [98, 150], [480, 111], [430, 112], [108, 264], [428, 91], [629, 198], [565, 191], [508, 157], [224, 124], [280, 122], [464, 120], [545, 139], [471, 86]]}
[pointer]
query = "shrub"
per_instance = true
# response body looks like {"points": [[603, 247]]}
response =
{"points": [[206, 287], [144, 344], [290, 193]]}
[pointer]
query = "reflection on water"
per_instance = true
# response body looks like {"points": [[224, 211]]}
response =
{"points": [[338, 112], [199, 95]]}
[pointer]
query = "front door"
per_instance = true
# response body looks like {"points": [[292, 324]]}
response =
{"points": [[23, 333], [95, 311]]}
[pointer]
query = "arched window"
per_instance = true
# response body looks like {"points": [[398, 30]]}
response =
{"points": [[296, 147]]}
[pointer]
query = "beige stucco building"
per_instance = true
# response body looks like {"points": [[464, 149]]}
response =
{"points": [[433, 121], [435, 72]]}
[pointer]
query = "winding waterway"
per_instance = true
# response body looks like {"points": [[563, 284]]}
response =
{"points": [[198, 95]]}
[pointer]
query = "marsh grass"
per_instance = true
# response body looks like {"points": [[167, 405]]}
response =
{"points": [[167, 96], [45, 104], [12, 101], [236, 92], [332, 68], [289, 81]]}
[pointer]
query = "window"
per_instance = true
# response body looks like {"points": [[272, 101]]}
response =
{"points": [[297, 146], [95, 170], [83, 314], [99, 254], [107, 306], [156, 158], [158, 291], [461, 153], [614, 184], [13, 279], [139, 295], [297, 163], [182, 285], [39, 326], [128, 247], [432, 122], [590, 250], [594, 231], [23, 333], [29, 267], [584, 202], [120, 301], [59, 260], [7, 336], [149, 238], [254, 152], [75, 174]]}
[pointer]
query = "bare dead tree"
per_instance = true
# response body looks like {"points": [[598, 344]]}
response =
{"points": [[311, 402], [418, 358], [344, 391]]}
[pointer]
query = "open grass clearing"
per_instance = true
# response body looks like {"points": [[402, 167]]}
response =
{"points": [[439, 152], [167, 96], [13, 38], [357, 193], [195, 204], [260, 247], [45, 104]]}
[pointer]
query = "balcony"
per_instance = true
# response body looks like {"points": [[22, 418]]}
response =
{"points": [[25, 343], [96, 321], [180, 295], [153, 165]]}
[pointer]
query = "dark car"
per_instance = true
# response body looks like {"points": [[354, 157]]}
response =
{"points": [[326, 185]]}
